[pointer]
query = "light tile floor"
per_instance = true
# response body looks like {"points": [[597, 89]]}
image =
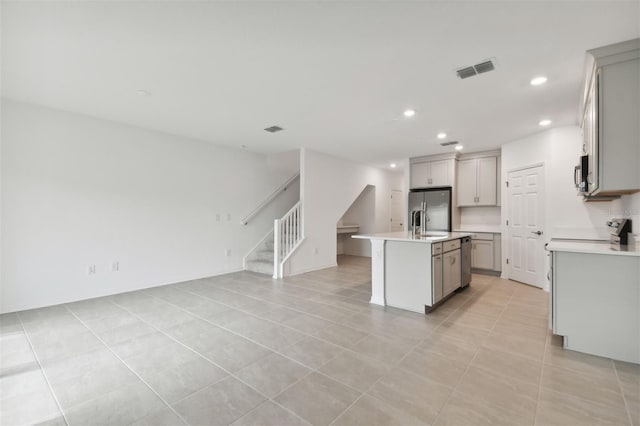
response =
{"points": [[243, 349]]}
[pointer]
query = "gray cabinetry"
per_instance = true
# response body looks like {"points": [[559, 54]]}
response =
{"points": [[451, 267], [432, 173], [436, 269], [611, 107], [478, 182], [595, 303]]}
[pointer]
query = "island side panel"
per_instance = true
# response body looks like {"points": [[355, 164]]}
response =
{"points": [[377, 271], [407, 275]]}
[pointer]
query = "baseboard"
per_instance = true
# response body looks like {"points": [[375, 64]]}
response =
{"points": [[304, 271], [486, 272]]}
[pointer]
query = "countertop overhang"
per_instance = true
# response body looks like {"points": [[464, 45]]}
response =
{"points": [[408, 237], [592, 247]]}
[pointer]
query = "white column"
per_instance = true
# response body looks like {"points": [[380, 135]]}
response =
{"points": [[377, 271]]}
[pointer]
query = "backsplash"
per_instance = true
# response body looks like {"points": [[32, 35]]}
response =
{"points": [[485, 216]]}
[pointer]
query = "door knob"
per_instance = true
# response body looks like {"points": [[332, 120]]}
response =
{"points": [[537, 232]]}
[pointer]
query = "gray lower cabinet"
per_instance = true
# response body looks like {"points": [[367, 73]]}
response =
{"points": [[595, 303], [482, 254], [436, 280], [451, 272]]}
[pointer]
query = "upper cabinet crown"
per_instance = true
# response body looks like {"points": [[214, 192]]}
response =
{"points": [[478, 181], [432, 173], [610, 111]]}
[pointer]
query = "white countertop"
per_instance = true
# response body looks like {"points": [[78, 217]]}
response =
{"points": [[406, 236], [490, 229], [592, 247]]}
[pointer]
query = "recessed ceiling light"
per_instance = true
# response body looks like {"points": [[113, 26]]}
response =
{"points": [[409, 113], [442, 135], [545, 123], [459, 147], [143, 92], [392, 165], [537, 81]]}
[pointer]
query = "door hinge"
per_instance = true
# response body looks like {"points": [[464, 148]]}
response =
{"points": [[507, 222], [507, 261], [507, 183]]}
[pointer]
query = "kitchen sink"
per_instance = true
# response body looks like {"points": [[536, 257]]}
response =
{"points": [[433, 235]]}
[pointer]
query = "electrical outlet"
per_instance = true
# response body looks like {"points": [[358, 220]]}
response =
{"points": [[91, 270], [217, 217], [228, 217], [115, 266], [316, 250], [227, 252]]}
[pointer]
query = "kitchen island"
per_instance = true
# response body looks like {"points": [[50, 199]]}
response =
{"points": [[415, 273]]}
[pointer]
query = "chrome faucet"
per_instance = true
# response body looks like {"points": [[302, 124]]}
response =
{"points": [[420, 214]]}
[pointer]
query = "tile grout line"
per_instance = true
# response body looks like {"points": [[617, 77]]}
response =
{"points": [[316, 370], [128, 367], [394, 365], [230, 374], [222, 326], [480, 346], [544, 356], [399, 361], [44, 374], [348, 313], [624, 397], [255, 342], [397, 364]]}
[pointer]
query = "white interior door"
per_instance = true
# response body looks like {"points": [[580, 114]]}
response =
{"points": [[526, 225], [396, 211]]}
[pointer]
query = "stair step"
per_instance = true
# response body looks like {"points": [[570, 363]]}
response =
{"points": [[260, 266]]}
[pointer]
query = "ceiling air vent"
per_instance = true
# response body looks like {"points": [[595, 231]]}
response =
{"points": [[483, 67], [480, 68], [273, 129], [466, 72], [449, 143]]}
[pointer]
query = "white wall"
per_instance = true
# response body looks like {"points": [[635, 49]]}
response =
{"points": [[329, 186], [78, 191], [361, 212], [566, 214]]}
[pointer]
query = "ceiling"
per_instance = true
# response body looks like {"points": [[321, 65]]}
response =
{"points": [[336, 75]]}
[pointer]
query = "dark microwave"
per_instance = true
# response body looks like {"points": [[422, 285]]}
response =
{"points": [[580, 174]]}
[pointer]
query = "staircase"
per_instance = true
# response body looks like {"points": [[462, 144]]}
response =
{"points": [[270, 254], [260, 260]]}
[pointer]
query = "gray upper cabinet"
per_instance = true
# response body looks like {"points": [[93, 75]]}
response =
{"points": [[478, 182], [432, 174], [610, 123]]}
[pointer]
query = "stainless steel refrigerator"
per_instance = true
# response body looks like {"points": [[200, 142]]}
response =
{"points": [[438, 203]]}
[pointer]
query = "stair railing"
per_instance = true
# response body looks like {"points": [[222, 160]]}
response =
{"points": [[287, 236], [269, 199]]}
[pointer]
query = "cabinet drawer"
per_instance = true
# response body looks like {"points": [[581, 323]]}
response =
{"points": [[482, 236], [436, 248], [450, 245]]}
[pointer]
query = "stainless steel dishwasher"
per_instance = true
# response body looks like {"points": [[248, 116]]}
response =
{"points": [[465, 262]]}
